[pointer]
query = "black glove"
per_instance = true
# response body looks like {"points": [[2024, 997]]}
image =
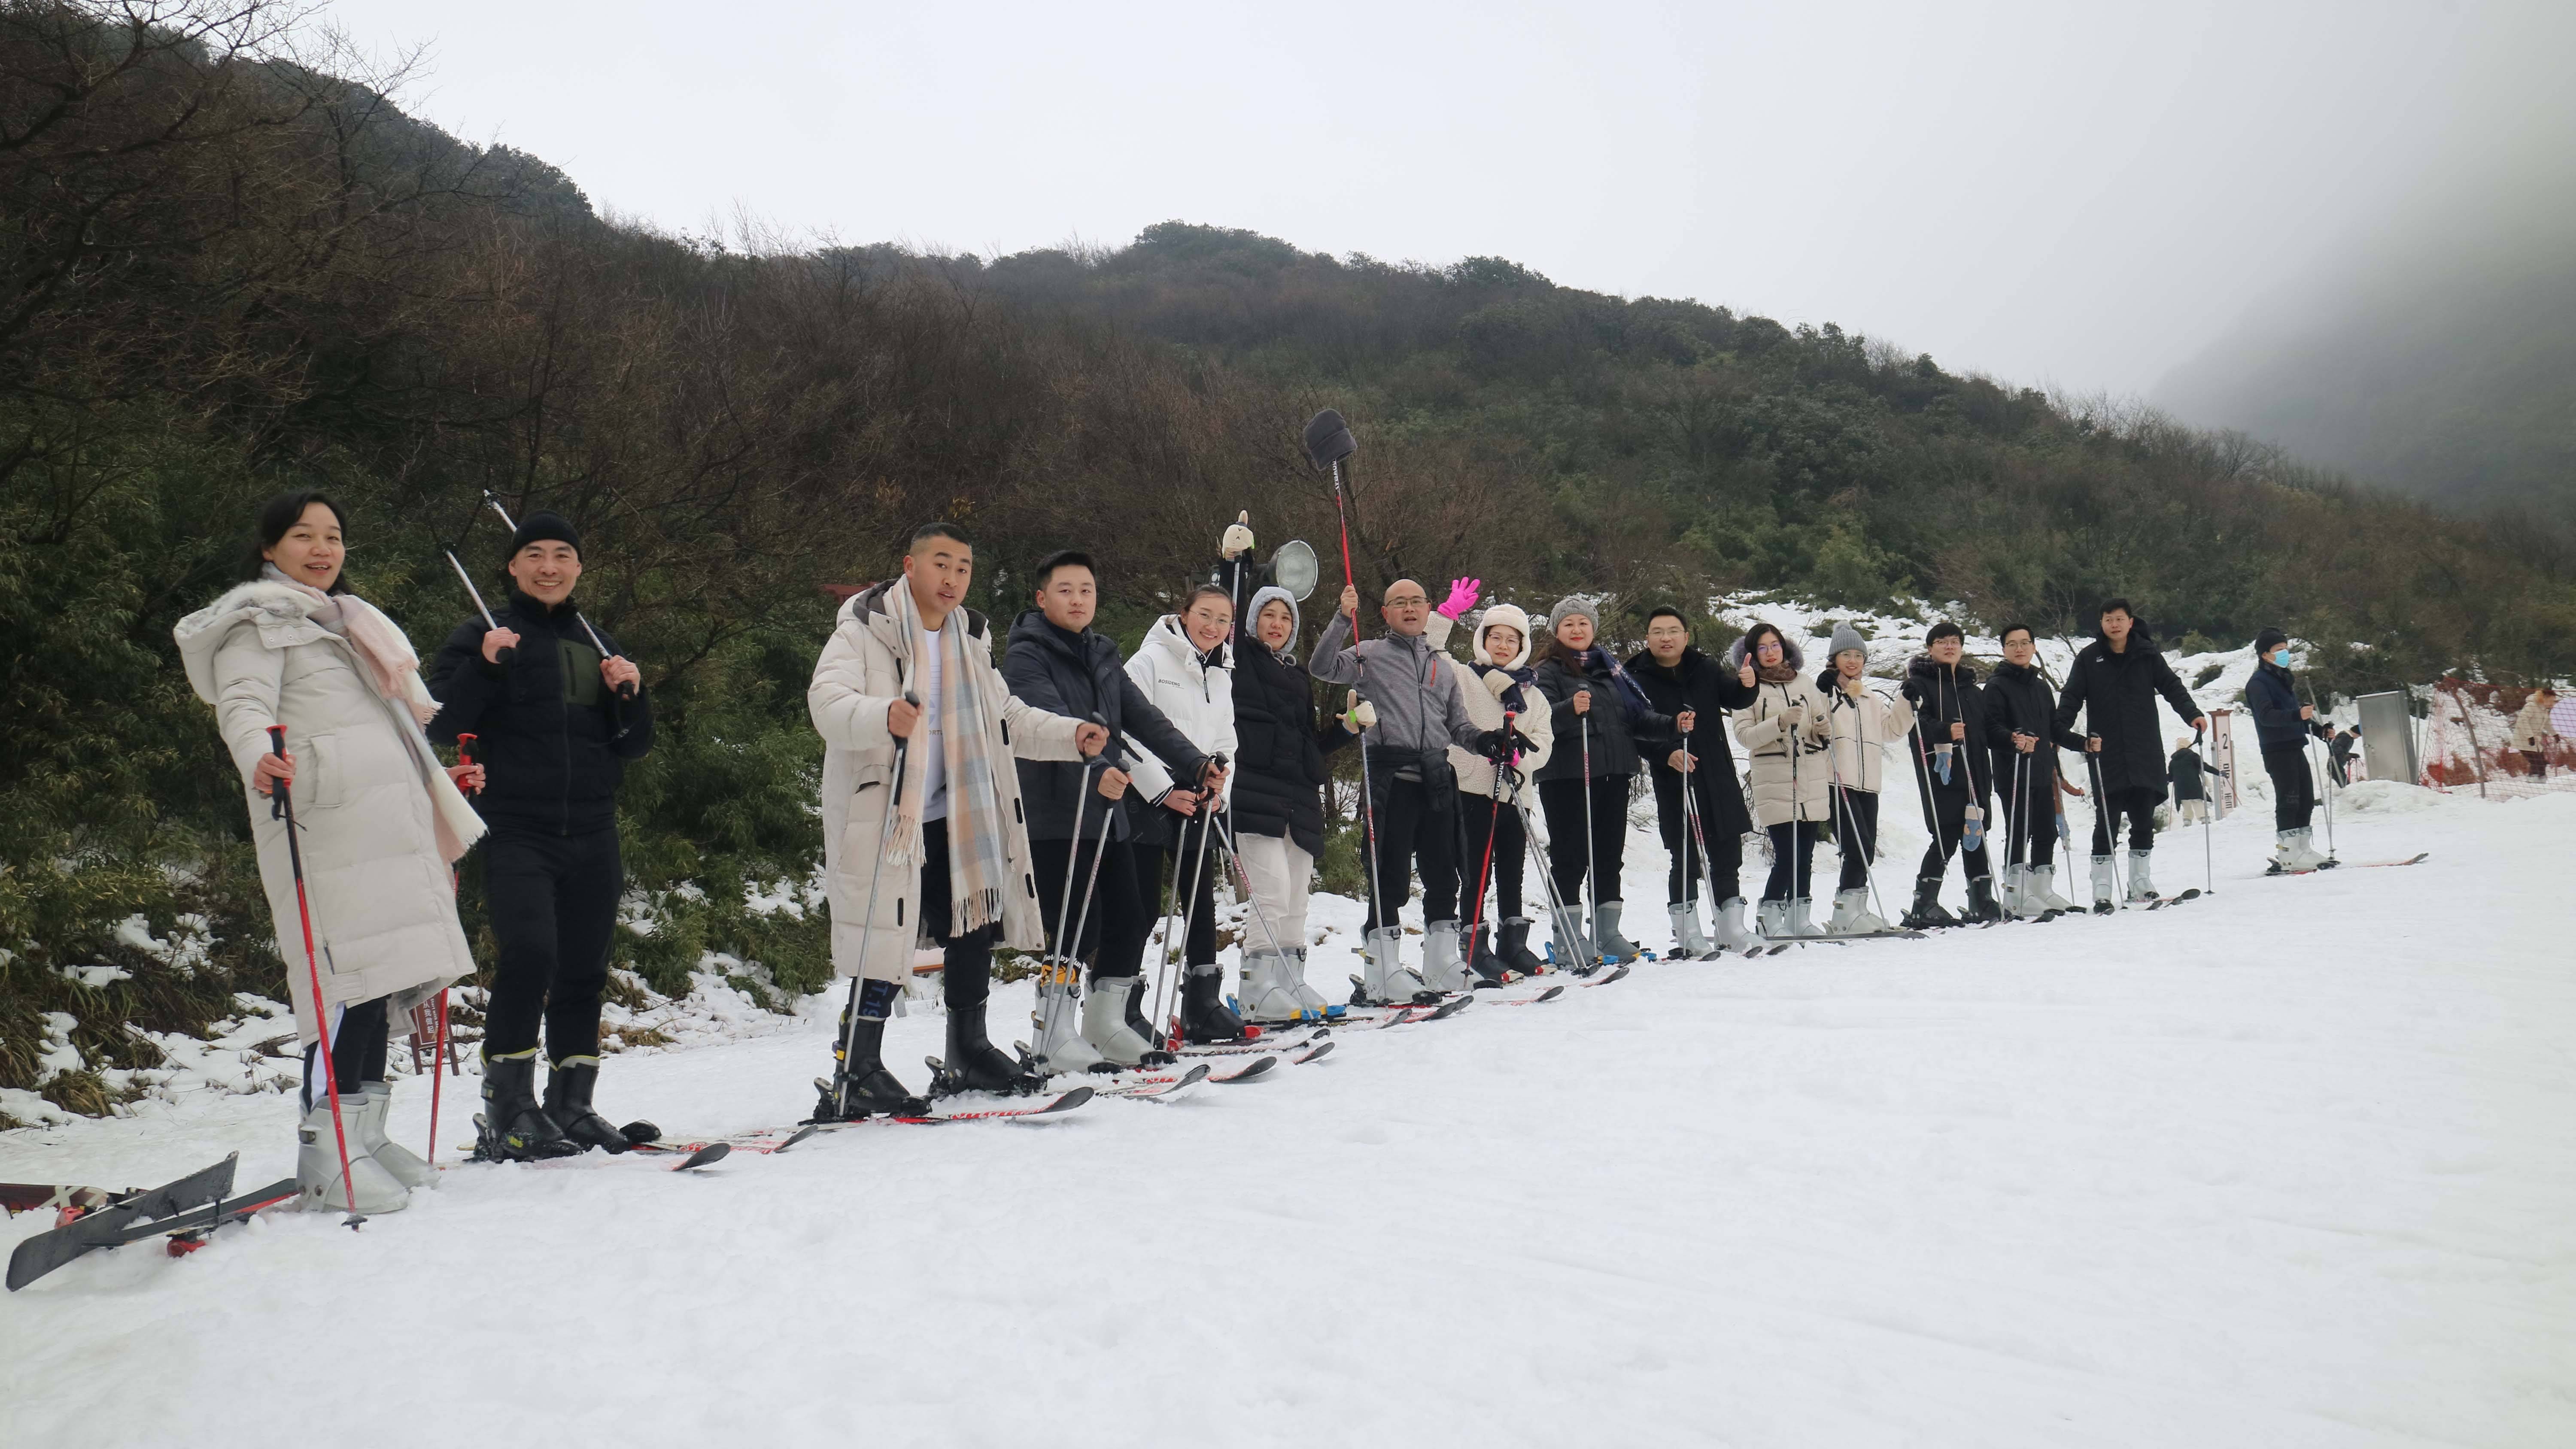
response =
{"points": [[1496, 744]]}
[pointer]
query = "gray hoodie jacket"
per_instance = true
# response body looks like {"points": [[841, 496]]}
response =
{"points": [[1406, 681]]}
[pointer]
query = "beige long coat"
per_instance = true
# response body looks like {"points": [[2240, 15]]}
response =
{"points": [[369, 795], [1862, 728], [865, 667]]}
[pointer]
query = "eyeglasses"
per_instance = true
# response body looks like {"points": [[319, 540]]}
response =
{"points": [[1407, 601]]}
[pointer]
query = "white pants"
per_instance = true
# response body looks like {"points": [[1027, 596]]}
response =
{"points": [[2194, 811], [1280, 873]]}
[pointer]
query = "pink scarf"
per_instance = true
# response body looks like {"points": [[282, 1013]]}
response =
{"points": [[391, 665]]}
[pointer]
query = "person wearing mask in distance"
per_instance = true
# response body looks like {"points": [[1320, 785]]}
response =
{"points": [[554, 730], [909, 662], [1416, 712], [1059, 663], [2114, 683], [2282, 727]]}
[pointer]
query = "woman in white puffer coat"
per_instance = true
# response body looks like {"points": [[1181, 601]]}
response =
{"points": [[1786, 729], [379, 818], [1863, 723], [1499, 680], [1186, 668]]}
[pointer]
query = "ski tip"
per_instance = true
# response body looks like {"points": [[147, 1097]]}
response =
{"points": [[1317, 1052], [1065, 1103], [808, 1130], [1259, 1066], [711, 1153], [1193, 1076], [1551, 993]]}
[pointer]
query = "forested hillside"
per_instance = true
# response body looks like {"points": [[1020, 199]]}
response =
{"points": [[232, 267]]}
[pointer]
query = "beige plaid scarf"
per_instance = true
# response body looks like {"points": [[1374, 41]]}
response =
{"points": [[976, 867]]}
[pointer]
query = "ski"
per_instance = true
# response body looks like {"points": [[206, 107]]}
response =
{"points": [[131, 1218], [2275, 869], [1542, 999], [1896, 933], [1258, 1066], [760, 1140], [1157, 1088], [1313, 1053], [1613, 978], [711, 1153], [1271, 1040], [2192, 894], [232, 1210]]}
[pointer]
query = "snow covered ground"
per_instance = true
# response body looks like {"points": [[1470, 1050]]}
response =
{"points": [[2291, 1165]]}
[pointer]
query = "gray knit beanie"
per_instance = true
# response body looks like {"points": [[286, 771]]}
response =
{"points": [[1847, 637], [1569, 606]]}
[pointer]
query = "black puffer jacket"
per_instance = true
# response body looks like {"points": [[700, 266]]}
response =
{"points": [[1697, 682], [2116, 693], [553, 739], [1941, 695], [1079, 676], [1617, 715], [1279, 763], [2018, 699]]}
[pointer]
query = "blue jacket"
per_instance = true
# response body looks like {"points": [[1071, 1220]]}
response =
{"points": [[2275, 702]]}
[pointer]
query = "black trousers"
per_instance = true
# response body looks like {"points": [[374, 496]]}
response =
{"points": [[2294, 789], [1793, 859], [357, 1051], [1415, 824], [1855, 835], [1113, 937], [2138, 805], [1479, 818], [1725, 863], [2028, 826], [1947, 810], [553, 903], [1154, 867], [966, 962], [1562, 800]]}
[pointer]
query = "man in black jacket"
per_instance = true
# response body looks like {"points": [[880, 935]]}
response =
{"points": [[553, 731], [1954, 771], [2114, 683], [2019, 709], [1058, 663], [2282, 727], [1677, 678]]}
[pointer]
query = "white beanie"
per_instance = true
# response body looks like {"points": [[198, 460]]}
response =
{"points": [[1510, 616]]}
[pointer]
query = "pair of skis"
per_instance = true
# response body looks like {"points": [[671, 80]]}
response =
{"points": [[2415, 859], [185, 1212]]}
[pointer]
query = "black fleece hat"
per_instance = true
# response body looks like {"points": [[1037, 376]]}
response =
{"points": [[2269, 640], [542, 525]]}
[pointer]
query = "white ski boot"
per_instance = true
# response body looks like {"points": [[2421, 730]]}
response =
{"points": [[1105, 1024], [1731, 932], [1688, 943], [1442, 971], [376, 1098], [2104, 887], [2303, 851], [2142, 889], [1292, 974], [2008, 890], [2041, 884], [317, 1164], [1852, 915], [1573, 952], [1058, 1022], [1386, 982], [1264, 997], [1614, 947], [1800, 917], [1773, 917]]}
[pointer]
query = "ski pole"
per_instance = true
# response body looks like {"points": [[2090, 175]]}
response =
{"points": [[2105, 826], [1591, 860], [2327, 792], [1368, 801], [1189, 916], [1691, 868], [867, 922], [2208, 860], [1063, 953], [1090, 885], [625, 691], [1234, 857], [1493, 822], [1972, 818], [507, 653], [282, 807], [1163, 956], [1698, 833]]}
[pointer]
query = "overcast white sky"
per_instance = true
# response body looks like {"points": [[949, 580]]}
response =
{"points": [[2066, 191]]}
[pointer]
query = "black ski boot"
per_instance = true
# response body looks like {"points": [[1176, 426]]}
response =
{"points": [[1981, 899], [1490, 969], [513, 1128], [1151, 1031], [568, 1088], [1204, 1015], [974, 1064], [861, 1087], [1512, 944], [1927, 913]]}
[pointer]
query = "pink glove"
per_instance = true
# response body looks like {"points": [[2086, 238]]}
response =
{"points": [[1462, 597]]}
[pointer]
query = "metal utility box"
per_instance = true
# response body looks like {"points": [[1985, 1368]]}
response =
{"points": [[2388, 737]]}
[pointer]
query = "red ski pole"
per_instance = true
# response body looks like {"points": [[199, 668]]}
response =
{"points": [[285, 803]]}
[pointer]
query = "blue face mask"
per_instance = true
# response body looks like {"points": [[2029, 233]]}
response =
{"points": [[2281, 657]]}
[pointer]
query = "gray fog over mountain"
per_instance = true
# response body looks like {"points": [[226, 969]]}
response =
{"points": [[2077, 195]]}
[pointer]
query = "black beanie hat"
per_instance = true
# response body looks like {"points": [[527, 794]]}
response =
{"points": [[542, 525], [2269, 640]]}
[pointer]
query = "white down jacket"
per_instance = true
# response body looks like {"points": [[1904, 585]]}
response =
{"points": [[865, 667], [1862, 729], [369, 795], [1763, 731], [1482, 693], [1198, 700]]}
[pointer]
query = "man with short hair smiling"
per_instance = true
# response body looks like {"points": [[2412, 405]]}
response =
{"points": [[909, 661], [1415, 715], [1059, 663], [553, 737], [2115, 682]]}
